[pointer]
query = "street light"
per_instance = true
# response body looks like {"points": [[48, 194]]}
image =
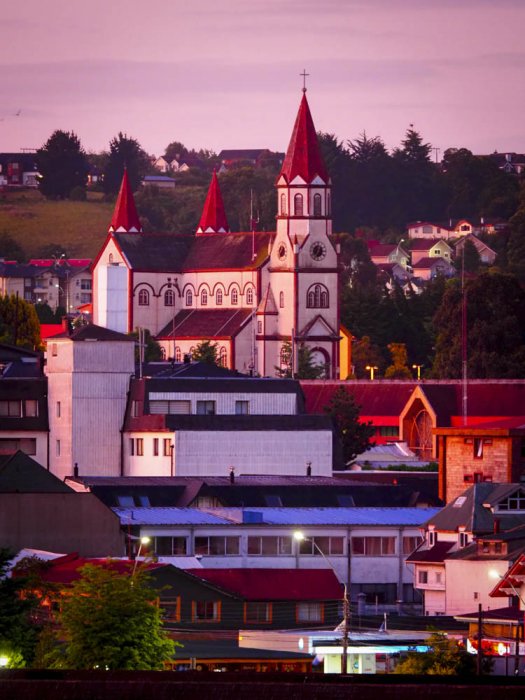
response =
{"points": [[143, 540], [300, 537], [418, 367], [371, 369]]}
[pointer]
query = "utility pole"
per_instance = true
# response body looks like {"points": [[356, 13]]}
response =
{"points": [[480, 640], [346, 626]]}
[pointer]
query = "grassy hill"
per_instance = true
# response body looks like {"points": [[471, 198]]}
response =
{"points": [[34, 222]]}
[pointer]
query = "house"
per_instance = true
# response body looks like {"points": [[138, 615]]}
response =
{"points": [[254, 293], [422, 249], [254, 157], [486, 254], [430, 230], [38, 510], [481, 530], [430, 268], [512, 163], [18, 170], [366, 547], [388, 253]]}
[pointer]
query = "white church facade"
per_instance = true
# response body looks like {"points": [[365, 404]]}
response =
{"points": [[254, 294]]}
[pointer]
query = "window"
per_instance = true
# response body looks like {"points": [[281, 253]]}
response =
{"points": [[410, 544], [30, 408], [317, 205], [281, 300], [216, 545], [218, 297], [110, 259], [257, 613], [155, 447], [223, 357], [389, 431], [136, 447], [373, 546], [432, 538], [176, 407], [10, 445], [478, 448], [268, 546], [204, 298], [317, 297], [205, 408], [189, 297], [171, 609], [59, 409], [422, 576], [298, 205], [85, 285], [514, 502], [317, 546], [439, 577], [178, 354], [58, 448], [169, 298], [234, 297], [249, 296], [54, 349], [309, 612], [170, 546], [143, 297], [242, 408], [167, 447], [463, 539], [11, 408], [206, 610], [283, 204], [260, 330], [285, 356]]}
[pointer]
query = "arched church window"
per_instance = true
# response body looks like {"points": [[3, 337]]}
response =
{"points": [[317, 204], [298, 205], [143, 297], [189, 297], [110, 258], [178, 354], [281, 300], [249, 296], [204, 298], [162, 353], [317, 297], [284, 356], [218, 297], [283, 203], [222, 356], [169, 298], [234, 297]]}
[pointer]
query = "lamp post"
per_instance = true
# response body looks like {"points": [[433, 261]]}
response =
{"points": [[371, 369], [300, 537], [418, 367], [143, 540]]}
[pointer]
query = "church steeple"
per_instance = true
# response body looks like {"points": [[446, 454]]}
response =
{"points": [[125, 218], [213, 219], [303, 157]]}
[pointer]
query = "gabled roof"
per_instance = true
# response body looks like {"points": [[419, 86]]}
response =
{"points": [[303, 158], [429, 263], [434, 555], [427, 243], [381, 250], [267, 304], [235, 251], [376, 398], [213, 219], [157, 252], [275, 584], [21, 474], [125, 218], [206, 323], [92, 332]]}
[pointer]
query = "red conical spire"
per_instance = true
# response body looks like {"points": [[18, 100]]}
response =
{"points": [[213, 219], [125, 218], [303, 156]]}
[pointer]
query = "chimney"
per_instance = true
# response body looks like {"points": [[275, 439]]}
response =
{"points": [[232, 475], [75, 470], [308, 469]]}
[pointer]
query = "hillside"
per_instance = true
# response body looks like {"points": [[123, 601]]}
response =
{"points": [[34, 222]]}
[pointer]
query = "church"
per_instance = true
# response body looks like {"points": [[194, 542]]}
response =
{"points": [[259, 296]]}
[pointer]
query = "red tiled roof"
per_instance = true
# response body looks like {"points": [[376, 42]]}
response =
{"points": [[65, 569], [428, 263], [303, 156], [213, 219], [125, 218], [234, 251], [70, 262], [204, 323], [275, 584], [425, 243], [489, 399]]}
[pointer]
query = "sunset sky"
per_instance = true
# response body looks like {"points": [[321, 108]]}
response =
{"points": [[225, 73]]}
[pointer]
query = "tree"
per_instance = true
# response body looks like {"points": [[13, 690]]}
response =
{"points": [[125, 152], [355, 436], [175, 150], [152, 350], [207, 352], [307, 368], [444, 658], [365, 353], [62, 164], [19, 323], [18, 635], [110, 620], [398, 369], [10, 249], [468, 259]]}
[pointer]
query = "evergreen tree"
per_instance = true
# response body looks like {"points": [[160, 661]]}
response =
{"points": [[125, 153], [10, 249], [207, 352], [307, 368], [354, 435], [62, 164], [398, 369], [110, 620], [19, 324]]}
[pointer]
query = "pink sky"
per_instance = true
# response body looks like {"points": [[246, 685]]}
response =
{"points": [[225, 73]]}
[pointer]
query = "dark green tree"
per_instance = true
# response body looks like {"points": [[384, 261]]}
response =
{"points": [[18, 636], [125, 152], [515, 252], [364, 353], [399, 368], [152, 351], [495, 311], [307, 367], [19, 324], [207, 352], [10, 249], [445, 658], [175, 149], [62, 164], [468, 258], [110, 620], [354, 435]]}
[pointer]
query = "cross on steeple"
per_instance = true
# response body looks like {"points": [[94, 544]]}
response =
{"points": [[304, 75]]}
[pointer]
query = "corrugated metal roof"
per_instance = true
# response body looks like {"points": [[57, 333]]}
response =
{"points": [[167, 516]]}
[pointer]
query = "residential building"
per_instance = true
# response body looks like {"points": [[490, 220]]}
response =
{"points": [[422, 248], [486, 254], [253, 293], [388, 254], [18, 170]]}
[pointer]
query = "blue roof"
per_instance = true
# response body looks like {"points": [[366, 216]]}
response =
{"points": [[291, 517]]}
